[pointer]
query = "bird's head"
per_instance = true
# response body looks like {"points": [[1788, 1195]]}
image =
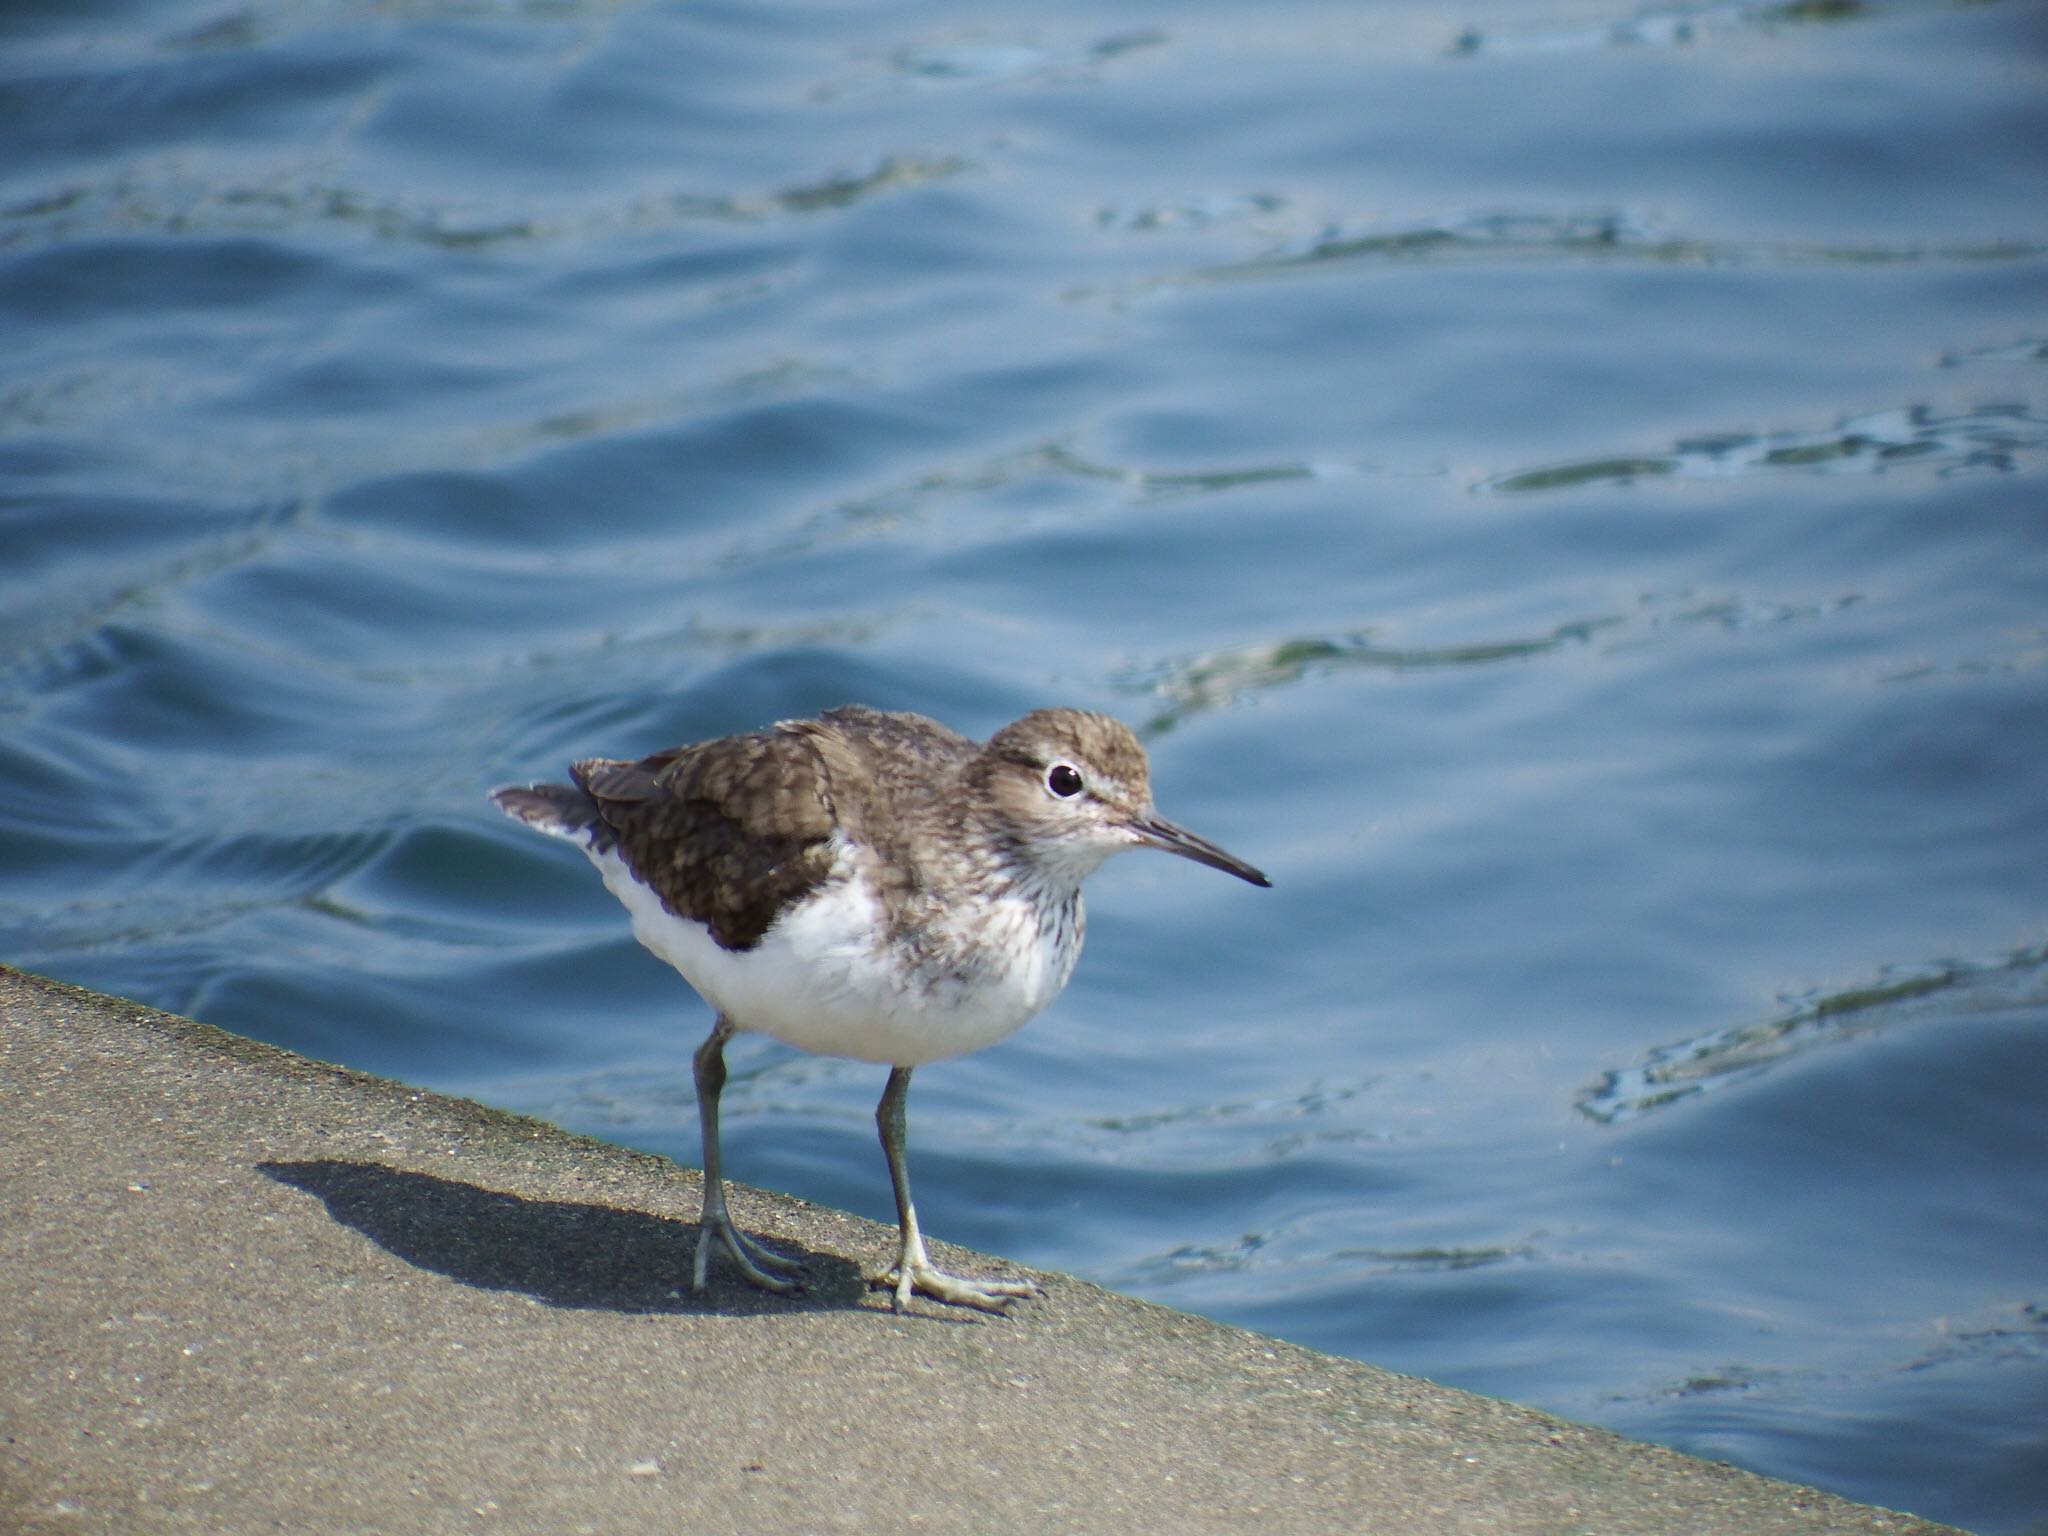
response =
{"points": [[1073, 787]]}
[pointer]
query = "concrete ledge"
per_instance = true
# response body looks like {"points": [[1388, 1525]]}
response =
{"points": [[244, 1291]]}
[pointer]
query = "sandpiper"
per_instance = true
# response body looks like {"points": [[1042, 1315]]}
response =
{"points": [[865, 884]]}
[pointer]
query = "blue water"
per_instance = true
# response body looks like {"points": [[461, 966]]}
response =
{"points": [[1562, 486]]}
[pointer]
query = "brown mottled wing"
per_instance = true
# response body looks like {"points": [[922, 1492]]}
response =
{"points": [[894, 776], [726, 833], [889, 740]]}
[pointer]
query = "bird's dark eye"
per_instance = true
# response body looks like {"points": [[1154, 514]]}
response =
{"points": [[1063, 779]]}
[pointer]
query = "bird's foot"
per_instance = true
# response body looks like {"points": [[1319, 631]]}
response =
{"points": [[755, 1261], [916, 1276]]}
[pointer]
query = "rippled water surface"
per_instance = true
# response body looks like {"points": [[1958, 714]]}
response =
{"points": [[1563, 486]]}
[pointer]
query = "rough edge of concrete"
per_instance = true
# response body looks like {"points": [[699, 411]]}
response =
{"points": [[1239, 1415]]}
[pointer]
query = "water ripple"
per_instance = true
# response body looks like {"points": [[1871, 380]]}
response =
{"points": [[1270, 1252], [1510, 238], [1677, 26], [1212, 680], [167, 200], [1215, 679], [1688, 1068], [2028, 349], [912, 503], [981, 60], [1997, 438]]}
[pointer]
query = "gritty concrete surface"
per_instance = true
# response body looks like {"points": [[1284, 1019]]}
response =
{"points": [[242, 1291]]}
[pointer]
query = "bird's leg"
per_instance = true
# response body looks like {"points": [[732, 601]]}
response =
{"points": [[913, 1271], [715, 1226]]}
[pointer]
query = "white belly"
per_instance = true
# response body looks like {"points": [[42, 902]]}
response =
{"points": [[819, 981]]}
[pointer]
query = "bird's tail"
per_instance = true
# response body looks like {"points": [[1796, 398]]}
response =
{"points": [[560, 810]]}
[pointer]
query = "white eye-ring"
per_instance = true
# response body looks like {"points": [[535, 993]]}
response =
{"points": [[1063, 780]]}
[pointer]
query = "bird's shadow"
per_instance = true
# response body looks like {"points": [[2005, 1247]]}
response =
{"points": [[560, 1253]]}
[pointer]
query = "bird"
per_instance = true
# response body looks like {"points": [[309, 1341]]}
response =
{"points": [[866, 884]]}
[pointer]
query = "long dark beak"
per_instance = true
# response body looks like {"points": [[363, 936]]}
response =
{"points": [[1161, 833]]}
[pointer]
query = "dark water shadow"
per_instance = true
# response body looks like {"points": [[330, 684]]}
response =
{"points": [[558, 1252]]}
